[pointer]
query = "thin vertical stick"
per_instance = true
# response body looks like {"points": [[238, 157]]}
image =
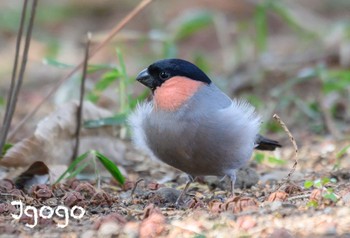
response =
{"points": [[291, 138], [14, 92], [81, 100], [110, 36], [15, 64]]}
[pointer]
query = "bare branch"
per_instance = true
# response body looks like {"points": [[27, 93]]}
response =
{"points": [[15, 87], [81, 100]]}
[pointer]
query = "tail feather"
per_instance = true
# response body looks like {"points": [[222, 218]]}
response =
{"points": [[263, 143]]}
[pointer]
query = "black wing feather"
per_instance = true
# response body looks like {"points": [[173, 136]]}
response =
{"points": [[263, 143]]}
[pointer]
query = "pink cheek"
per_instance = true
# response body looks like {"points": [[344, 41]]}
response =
{"points": [[175, 92]]}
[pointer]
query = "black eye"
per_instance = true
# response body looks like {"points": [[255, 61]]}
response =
{"points": [[164, 75]]}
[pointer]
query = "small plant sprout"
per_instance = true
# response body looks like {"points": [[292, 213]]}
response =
{"points": [[81, 162], [326, 192]]}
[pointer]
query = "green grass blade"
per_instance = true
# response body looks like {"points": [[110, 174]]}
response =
{"points": [[78, 170], [119, 119], [56, 63], [110, 166], [139, 98], [6, 147], [106, 80], [275, 160], [259, 157], [123, 84], [261, 26], [191, 24], [99, 67], [72, 166]]}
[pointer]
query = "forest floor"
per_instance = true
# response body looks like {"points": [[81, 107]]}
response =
{"points": [[294, 77]]}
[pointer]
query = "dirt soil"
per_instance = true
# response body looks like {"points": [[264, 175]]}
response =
{"points": [[143, 207]]}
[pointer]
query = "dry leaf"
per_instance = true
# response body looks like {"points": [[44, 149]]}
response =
{"points": [[54, 139], [280, 196], [154, 222], [241, 204]]}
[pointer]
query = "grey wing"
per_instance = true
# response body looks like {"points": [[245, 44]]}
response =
{"points": [[227, 135]]}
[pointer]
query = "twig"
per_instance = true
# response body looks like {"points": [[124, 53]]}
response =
{"points": [[135, 186], [15, 64], [299, 197], [110, 36], [15, 87], [81, 100], [285, 128]]}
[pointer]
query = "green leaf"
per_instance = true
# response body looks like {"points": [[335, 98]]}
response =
{"points": [[123, 85], [73, 165], [308, 184], [110, 166], [2, 101], [261, 26], [275, 160], [312, 204], [334, 80], [56, 63], [259, 157], [6, 147], [192, 23], [78, 170], [330, 196], [117, 120], [139, 98], [98, 67], [318, 183], [106, 80], [273, 126], [325, 180], [342, 152]]}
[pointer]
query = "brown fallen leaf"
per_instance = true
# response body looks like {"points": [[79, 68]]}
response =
{"points": [[280, 196], [291, 189], [154, 223], [54, 138], [241, 204], [216, 206], [195, 203], [41, 191], [6, 185], [316, 195]]}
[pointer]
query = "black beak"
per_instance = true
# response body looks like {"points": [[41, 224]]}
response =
{"points": [[145, 79]]}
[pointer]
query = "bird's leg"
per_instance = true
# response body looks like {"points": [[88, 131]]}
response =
{"points": [[223, 178], [183, 192], [233, 181]]}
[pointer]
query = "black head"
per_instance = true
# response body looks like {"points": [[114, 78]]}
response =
{"points": [[162, 70]]}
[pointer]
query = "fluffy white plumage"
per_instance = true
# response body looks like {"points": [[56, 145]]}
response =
{"points": [[135, 121]]}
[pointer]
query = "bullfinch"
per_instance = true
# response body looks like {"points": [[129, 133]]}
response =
{"points": [[192, 125]]}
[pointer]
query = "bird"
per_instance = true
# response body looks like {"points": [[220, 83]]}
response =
{"points": [[193, 126]]}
